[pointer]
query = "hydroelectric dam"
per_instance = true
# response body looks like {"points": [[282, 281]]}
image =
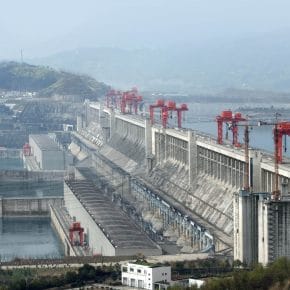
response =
{"points": [[181, 185]]}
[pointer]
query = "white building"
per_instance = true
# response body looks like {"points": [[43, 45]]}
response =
{"points": [[144, 275], [195, 282], [48, 154]]}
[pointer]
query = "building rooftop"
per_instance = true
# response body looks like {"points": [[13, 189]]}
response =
{"points": [[45, 143], [145, 263], [115, 224]]}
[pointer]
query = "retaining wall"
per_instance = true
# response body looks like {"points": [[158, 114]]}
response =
{"points": [[28, 206]]}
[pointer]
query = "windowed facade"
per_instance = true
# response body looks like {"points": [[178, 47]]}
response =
{"points": [[144, 276]]}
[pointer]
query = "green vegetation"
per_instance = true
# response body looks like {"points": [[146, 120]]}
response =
{"points": [[226, 277], [275, 276], [36, 279], [47, 81]]}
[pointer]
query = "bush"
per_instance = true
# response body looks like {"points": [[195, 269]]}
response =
{"points": [[71, 277], [87, 272]]}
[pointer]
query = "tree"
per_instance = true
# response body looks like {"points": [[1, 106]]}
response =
{"points": [[71, 277], [87, 272]]}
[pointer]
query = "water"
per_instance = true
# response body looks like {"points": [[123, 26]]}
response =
{"points": [[28, 238], [11, 163], [260, 137], [201, 117]]}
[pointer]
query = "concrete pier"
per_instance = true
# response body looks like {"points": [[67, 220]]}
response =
{"points": [[1, 207], [245, 227], [62, 231]]}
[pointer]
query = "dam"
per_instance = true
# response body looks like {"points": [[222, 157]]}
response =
{"points": [[182, 185]]}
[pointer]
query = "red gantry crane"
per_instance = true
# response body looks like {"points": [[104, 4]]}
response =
{"points": [[158, 105], [280, 129], [26, 149], [170, 107], [113, 98], [166, 111], [232, 120], [76, 228], [130, 101], [182, 108]]}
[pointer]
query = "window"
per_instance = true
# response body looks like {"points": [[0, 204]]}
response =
{"points": [[125, 281], [138, 270], [140, 284], [131, 270], [125, 269], [133, 283]]}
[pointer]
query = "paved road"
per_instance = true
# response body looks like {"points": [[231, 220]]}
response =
{"points": [[150, 259]]}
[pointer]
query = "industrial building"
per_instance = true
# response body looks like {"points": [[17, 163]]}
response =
{"points": [[107, 230], [144, 275], [262, 227], [46, 153]]}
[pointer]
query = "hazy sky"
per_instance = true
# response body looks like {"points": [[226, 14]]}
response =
{"points": [[42, 27]]}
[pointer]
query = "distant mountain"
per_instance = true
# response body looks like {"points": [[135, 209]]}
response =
{"points": [[254, 63], [47, 81]]}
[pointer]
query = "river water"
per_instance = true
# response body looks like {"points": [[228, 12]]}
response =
{"points": [[28, 237], [201, 117]]}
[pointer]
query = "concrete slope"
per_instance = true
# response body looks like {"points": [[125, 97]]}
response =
{"points": [[133, 148], [119, 158], [211, 199]]}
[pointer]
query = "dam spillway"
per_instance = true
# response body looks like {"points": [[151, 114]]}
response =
{"points": [[180, 181]]}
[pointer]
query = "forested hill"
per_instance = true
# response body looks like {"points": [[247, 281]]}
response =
{"points": [[47, 81]]}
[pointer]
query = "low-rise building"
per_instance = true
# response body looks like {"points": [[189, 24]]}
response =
{"points": [[47, 154], [145, 275]]}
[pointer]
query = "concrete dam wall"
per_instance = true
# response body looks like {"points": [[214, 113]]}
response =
{"points": [[186, 168], [15, 207]]}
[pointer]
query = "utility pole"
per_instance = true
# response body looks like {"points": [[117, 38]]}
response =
{"points": [[246, 171], [276, 191]]}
